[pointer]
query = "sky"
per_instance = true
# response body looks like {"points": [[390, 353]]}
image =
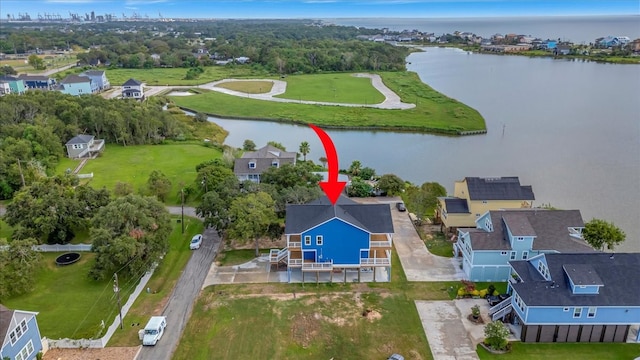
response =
{"points": [[317, 9]]}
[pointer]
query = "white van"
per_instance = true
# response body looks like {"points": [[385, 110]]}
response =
{"points": [[154, 329]]}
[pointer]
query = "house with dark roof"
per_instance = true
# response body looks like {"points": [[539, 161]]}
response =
{"points": [[501, 236], [37, 82], [133, 89], [84, 146], [77, 85], [474, 196], [99, 78], [20, 334], [585, 297], [254, 163], [342, 240]]}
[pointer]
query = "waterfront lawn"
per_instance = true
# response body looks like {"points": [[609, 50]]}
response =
{"points": [[248, 87], [71, 304], [133, 164], [344, 88], [434, 111], [176, 76], [160, 285], [562, 351]]}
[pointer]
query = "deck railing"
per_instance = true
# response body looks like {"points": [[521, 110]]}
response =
{"points": [[375, 261], [295, 262], [312, 266], [382, 244], [295, 244], [503, 304], [502, 312]]}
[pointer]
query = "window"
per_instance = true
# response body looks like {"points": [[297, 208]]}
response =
{"points": [[252, 165], [513, 255], [307, 240], [26, 351], [565, 309], [525, 255], [577, 312], [592, 312], [319, 240], [275, 164], [544, 271], [77, 146]]}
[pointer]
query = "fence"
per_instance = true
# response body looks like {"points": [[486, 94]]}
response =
{"points": [[60, 248], [102, 342], [85, 176]]}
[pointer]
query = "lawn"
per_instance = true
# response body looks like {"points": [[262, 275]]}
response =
{"points": [[560, 351], [434, 111], [344, 88], [249, 87], [161, 284], [51, 61], [5, 230], [175, 76], [237, 257], [438, 244], [69, 303], [133, 164]]}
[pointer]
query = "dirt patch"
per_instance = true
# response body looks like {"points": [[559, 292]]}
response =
{"points": [[264, 243], [305, 329], [108, 353], [371, 315]]}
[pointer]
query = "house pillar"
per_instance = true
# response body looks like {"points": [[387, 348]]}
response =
{"points": [[359, 269], [317, 277], [331, 278], [344, 270], [374, 274], [638, 335]]}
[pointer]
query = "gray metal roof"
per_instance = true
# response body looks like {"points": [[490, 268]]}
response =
{"points": [[498, 188], [550, 228], [263, 159], [75, 79], [94, 72], [26, 77], [618, 272], [80, 139], [132, 82], [456, 206], [6, 315], [374, 218], [582, 274]]}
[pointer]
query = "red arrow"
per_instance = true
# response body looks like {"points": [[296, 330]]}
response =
{"points": [[332, 188]]}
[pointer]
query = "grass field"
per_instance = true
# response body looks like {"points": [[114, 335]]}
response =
{"points": [[133, 164], [249, 87], [434, 111], [161, 284], [51, 61], [438, 244], [70, 304], [344, 88], [559, 351], [175, 76], [5, 230], [237, 257]]}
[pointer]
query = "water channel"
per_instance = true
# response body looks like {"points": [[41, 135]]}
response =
{"points": [[571, 129]]}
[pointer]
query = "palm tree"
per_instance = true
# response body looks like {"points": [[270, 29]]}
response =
{"points": [[355, 168], [304, 149], [323, 160]]}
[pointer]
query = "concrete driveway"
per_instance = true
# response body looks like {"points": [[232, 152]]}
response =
{"points": [[180, 304]]}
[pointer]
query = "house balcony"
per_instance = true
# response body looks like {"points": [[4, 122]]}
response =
{"points": [[96, 146], [294, 245], [380, 245], [295, 259], [375, 261], [315, 266]]}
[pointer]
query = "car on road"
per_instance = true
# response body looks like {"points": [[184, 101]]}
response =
{"points": [[196, 241], [401, 206]]}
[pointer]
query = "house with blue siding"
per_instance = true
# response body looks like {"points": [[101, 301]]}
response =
{"points": [[37, 82], [99, 78], [77, 85], [20, 334], [12, 85], [328, 239], [501, 236], [591, 297]]}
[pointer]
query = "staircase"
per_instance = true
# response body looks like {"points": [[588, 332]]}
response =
{"points": [[278, 255]]}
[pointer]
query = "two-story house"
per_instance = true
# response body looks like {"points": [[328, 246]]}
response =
{"points": [[77, 85], [84, 146], [474, 196], [133, 89], [37, 82], [254, 163], [501, 236], [99, 78], [591, 297], [326, 239], [11, 85], [20, 334]]}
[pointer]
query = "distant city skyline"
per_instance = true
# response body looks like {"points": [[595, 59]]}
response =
{"points": [[318, 9]]}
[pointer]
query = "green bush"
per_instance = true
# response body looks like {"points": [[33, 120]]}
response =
{"points": [[496, 334]]}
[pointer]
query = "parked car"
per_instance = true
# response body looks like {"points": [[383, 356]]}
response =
{"points": [[401, 206], [196, 241]]}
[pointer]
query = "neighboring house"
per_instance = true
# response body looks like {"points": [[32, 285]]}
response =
{"points": [[573, 298], [84, 146], [99, 78], [474, 196], [77, 85], [13, 84], [562, 50], [37, 82], [610, 41], [20, 334], [327, 238], [501, 236], [133, 89], [254, 163], [4, 87]]}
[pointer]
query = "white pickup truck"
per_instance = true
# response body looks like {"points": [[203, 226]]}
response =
{"points": [[154, 329]]}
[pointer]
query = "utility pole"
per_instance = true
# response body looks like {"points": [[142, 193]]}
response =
{"points": [[182, 197], [116, 289], [21, 174]]}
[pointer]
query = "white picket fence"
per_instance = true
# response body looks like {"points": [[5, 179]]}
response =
{"points": [[85, 176], [102, 342], [61, 248]]}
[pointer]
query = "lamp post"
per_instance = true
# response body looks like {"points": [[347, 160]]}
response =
{"points": [[182, 202]]}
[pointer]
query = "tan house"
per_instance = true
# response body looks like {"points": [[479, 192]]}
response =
{"points": [[474, 196]]}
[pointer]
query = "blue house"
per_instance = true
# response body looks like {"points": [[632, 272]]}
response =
{"points": [[345, 237], [501, 236], [20, 334], [591, 297], [99, 78], [77, 85], [11, 85]]}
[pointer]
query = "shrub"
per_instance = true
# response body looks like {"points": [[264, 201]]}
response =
{"points": [[483, 293], [496, 334], [475, 311], [491, 289]]}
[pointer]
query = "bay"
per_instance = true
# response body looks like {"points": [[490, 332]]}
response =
{"points": [[571, 129]]}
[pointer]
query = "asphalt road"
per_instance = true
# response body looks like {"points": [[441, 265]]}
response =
{"points": [[180, 304]]}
